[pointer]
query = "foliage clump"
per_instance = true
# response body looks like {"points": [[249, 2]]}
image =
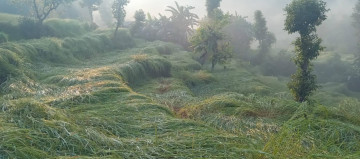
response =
{"points": [[210, 41], [265, 38]]}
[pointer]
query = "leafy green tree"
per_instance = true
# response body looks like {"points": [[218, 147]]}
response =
{"points": [[91, 5], [303, 16], [261, 33], [41, 9], [119, 13], [240, 33], [211, 5], [139, 23], [260, 28], [157, 28], [182, 22], [210, 42]]}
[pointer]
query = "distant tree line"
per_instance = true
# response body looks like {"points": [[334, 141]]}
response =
{"points": [[354, 81], [176, 28]]}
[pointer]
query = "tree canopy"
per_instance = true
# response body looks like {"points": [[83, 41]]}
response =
{"points": [[211, 43], [91, 5], [303, 16], [211, 5], [119, 13], [182, 21], [261, 33]]}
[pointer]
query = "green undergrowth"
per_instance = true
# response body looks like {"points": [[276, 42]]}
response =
{"points": [[241, 102], [255, 117], [18, 57], [318, 132], [83, 98], [236, 78], [137, 70], [88, 110]]}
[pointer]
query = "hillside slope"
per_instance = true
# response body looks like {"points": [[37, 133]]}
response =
{"points": [[81, 99]]}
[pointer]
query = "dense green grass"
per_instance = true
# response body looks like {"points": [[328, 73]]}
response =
{"points": [[17, 57], [93, 97], [89, 110]]}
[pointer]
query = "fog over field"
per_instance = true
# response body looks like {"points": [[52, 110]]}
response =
{"points": [[337, 27]]}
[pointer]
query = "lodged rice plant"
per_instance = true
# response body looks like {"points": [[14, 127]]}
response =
{"points": [[319, 134], [140, 102], [92, 113], [18, 57], [150, 67]]}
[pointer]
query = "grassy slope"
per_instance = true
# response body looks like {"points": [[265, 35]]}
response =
{"points": [[122, 104], [89, 110]]}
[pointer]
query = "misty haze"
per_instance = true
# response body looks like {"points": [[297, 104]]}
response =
{"points": [[155, 79]]}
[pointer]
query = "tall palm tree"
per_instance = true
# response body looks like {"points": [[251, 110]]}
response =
{"points": [[183, 22]]}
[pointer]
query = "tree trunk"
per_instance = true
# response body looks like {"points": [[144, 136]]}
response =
{"points": [[116, 30], [213, 63]]}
